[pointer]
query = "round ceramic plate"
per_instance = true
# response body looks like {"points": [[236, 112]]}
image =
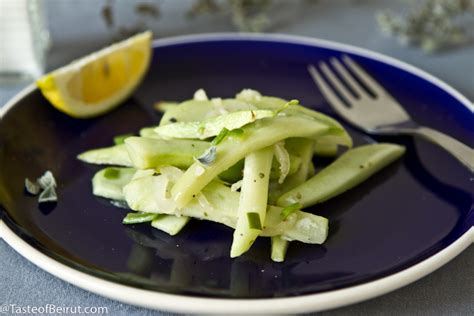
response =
{"points": [[401, 224]]}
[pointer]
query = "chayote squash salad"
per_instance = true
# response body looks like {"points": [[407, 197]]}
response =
{"points": [[245, 162]]}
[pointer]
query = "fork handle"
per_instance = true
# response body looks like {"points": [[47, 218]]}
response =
{"points": [[462, 152]]}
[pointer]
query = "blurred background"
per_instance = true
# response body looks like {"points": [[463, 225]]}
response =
{"points": [[37, 36]]}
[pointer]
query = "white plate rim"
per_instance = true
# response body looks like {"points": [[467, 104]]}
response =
{"points": [[298, 304]]}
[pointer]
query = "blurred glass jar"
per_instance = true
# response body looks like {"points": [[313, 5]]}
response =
{"points": [[24, 40]]}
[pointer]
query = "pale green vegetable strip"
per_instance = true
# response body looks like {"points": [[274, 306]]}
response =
{"points": [[111, 187], [304, 148], [187, 111], [262, 133], [164, 106], [148, 132], [352, 168], [325, 149], [118, 155], [311, 170], [340, 136], [295, 163], [234, 173], [283, 158], [143, 173], [192, 110], [231, 105], [148, 195], [279, 248], [212, 126], [115, 155], [275, 103], [150, 153], [300, 226], [253, 198], [170, 224]]}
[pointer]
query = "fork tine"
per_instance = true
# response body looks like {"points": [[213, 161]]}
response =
{"points": [[336, 83], [327, 92], [367, 79], [351, 82]]}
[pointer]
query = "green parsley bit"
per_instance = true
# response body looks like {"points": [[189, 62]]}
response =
{"points": [[238, 132], [137, 218], [254, 220], [287, 105], [220, 137], [119, 139], [111, 173], [287, 211]]}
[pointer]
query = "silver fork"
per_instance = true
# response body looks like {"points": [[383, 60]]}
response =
{"points": [[380, 114]]}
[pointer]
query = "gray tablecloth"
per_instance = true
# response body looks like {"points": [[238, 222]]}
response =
{"points": [[448, 291]]}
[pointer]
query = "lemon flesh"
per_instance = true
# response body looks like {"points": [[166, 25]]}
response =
{"points": [[95, 84]]}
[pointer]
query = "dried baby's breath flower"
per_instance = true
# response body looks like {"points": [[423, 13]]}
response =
{"points": [[432, 25], [246, 15]]}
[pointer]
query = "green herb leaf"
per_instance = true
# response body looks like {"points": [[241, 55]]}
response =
{"points": [[208, 157], [47, 180], [111, 173], [220, 137], [48, 195], [137, 218], [287, 105], [45, 184], [119, 139], [238, 132], [225, 133], [32, 187], [287, 211], [254, 220]]}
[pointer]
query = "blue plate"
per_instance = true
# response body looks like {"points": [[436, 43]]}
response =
{"points": [[408, 212]]}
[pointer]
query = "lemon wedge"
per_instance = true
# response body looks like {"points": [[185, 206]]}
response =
{"points": [[98, 82]]}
